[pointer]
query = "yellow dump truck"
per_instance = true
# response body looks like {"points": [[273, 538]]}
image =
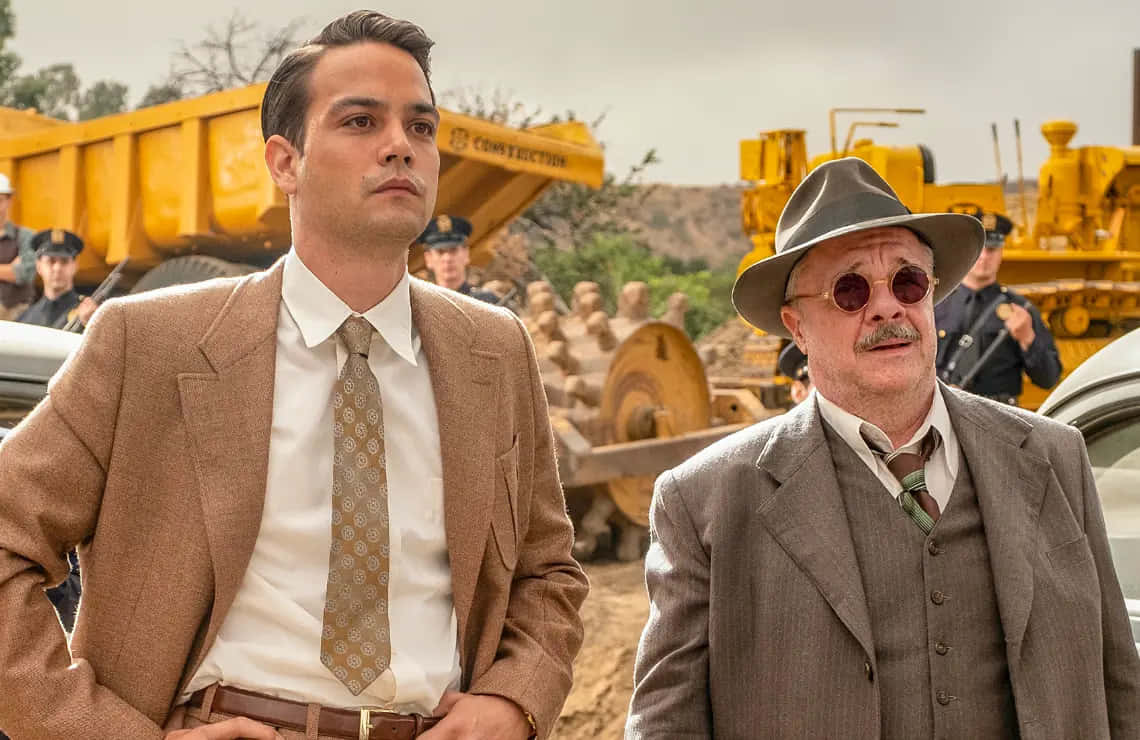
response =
{"points": [[1078, 262], [182, 190]]}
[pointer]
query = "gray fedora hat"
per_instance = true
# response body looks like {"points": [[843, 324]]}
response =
{"points": [[838, 198]]}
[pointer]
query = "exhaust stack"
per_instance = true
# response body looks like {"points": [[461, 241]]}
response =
{"points": [[1136, 97]]}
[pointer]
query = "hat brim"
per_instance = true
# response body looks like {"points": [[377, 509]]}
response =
{"points": [[956, 240], [447, 244]]}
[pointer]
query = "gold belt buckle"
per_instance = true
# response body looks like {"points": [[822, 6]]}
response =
{"points": [[366, 721]]}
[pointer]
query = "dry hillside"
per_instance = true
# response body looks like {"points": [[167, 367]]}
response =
{"points": [[690, 221]]}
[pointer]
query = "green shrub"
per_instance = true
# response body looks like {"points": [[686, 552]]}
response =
{"points": [[612, 260]]}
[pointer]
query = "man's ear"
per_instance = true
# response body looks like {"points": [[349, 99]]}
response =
{"points": [[283, 161], [791, 319]]}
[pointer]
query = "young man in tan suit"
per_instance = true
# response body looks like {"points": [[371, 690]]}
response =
{"points": [[892, 558], [317, 502]]}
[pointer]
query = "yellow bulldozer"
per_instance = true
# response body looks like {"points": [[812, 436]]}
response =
{"points": [[1078, 261]]}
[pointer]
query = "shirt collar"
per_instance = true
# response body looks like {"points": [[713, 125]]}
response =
{"points": [[851, 428], [319, 312]]}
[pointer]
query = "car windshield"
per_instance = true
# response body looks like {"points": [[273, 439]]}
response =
{"points": [[1115, 455]]}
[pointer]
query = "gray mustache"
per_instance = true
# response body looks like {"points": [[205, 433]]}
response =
{"points": [[885, 332]]}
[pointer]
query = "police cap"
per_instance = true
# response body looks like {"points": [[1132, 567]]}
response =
{"points": [[793, 362], [57, 243], [997, 227], [445, 232]]}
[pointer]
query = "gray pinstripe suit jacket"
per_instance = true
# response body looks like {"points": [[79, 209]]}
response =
{"points": [[759, 626]]}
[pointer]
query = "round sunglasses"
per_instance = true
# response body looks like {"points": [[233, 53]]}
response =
{"points": [[851, 291]]}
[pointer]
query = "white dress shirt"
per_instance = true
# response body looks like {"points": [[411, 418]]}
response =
{"points": [[942, 467], [270, 640]]}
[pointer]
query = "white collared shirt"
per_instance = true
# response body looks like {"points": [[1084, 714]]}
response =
{"points": [[270, 639], [941, 468]]}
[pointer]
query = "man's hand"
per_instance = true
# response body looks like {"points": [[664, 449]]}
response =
{"points": [[85, 310], [478, 717], [237, 728], [1020, 326]]}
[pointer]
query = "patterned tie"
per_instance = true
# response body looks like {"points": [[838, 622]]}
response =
{"points": [[909, 469], [355, 642]]}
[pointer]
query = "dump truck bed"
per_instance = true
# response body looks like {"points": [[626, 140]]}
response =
{"points": [[189, 177]]}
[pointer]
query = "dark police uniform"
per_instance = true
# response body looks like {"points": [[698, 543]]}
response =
{"points": [[449, 232], [56, 312], [968, 325]]}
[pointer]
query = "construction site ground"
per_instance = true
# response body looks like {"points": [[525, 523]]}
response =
{"points": [[614, 614]]}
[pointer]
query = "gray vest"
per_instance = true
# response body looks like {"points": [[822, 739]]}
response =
{"points": [[12, 295], [939, 646]]}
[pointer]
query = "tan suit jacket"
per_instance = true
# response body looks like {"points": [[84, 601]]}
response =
{"points": [[151, 450], [759, 626]]}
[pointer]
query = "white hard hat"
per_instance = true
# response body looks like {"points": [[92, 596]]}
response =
{"points": [[5, 185]]}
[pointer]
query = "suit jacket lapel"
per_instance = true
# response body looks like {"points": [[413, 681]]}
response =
{"points": [[463, 380], [1010, 484], [807, 516], [228, 415]]}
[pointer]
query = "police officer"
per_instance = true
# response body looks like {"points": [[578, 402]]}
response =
{"points": [[981, 312], [17, 260], [446, 255], [792, 363], [56, 250]]}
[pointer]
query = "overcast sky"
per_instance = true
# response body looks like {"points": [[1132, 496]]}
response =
{"points": [[692, 78]]}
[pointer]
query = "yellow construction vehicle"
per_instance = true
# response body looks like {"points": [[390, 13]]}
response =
{"points": [[776, 162], [628, 399], [181, 189], [1078, 262]]}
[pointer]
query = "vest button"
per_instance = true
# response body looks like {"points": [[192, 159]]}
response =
{"points": [[943, 698], [867, 669], [933, 548], [937, 597], [941, 648]]}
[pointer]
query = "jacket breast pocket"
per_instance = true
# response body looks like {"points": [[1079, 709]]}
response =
{"points": [[1070, 553], [504, 512]]}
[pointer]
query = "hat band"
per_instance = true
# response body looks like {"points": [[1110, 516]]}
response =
{"points": [[849, 211]]}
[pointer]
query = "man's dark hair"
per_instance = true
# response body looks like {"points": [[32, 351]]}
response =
{"points": [[285, 105]]}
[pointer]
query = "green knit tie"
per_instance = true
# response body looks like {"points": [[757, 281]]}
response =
{"points": [[909, 469]]}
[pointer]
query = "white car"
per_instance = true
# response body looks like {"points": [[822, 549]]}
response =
{"points": [[1101, 398], [29, 356]]}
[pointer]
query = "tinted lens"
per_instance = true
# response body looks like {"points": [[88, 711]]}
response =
{"points": [[910, 284], [851, 292]]}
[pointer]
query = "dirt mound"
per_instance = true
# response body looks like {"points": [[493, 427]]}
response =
{"points": [[614, 615]]}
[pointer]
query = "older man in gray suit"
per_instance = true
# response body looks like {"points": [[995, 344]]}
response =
{"points": [[892, 558]]}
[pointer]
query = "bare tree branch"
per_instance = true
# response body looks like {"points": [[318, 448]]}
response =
{"points": [[230, 56]]}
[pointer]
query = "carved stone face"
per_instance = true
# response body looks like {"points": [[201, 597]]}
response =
{"points": [[634, 300], [540, 303], [678, 302]]}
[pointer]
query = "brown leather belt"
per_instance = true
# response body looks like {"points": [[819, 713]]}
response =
{"points": [[351, 724]]}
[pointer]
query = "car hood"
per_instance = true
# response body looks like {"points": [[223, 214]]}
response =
{"points": [[33, 353]]}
